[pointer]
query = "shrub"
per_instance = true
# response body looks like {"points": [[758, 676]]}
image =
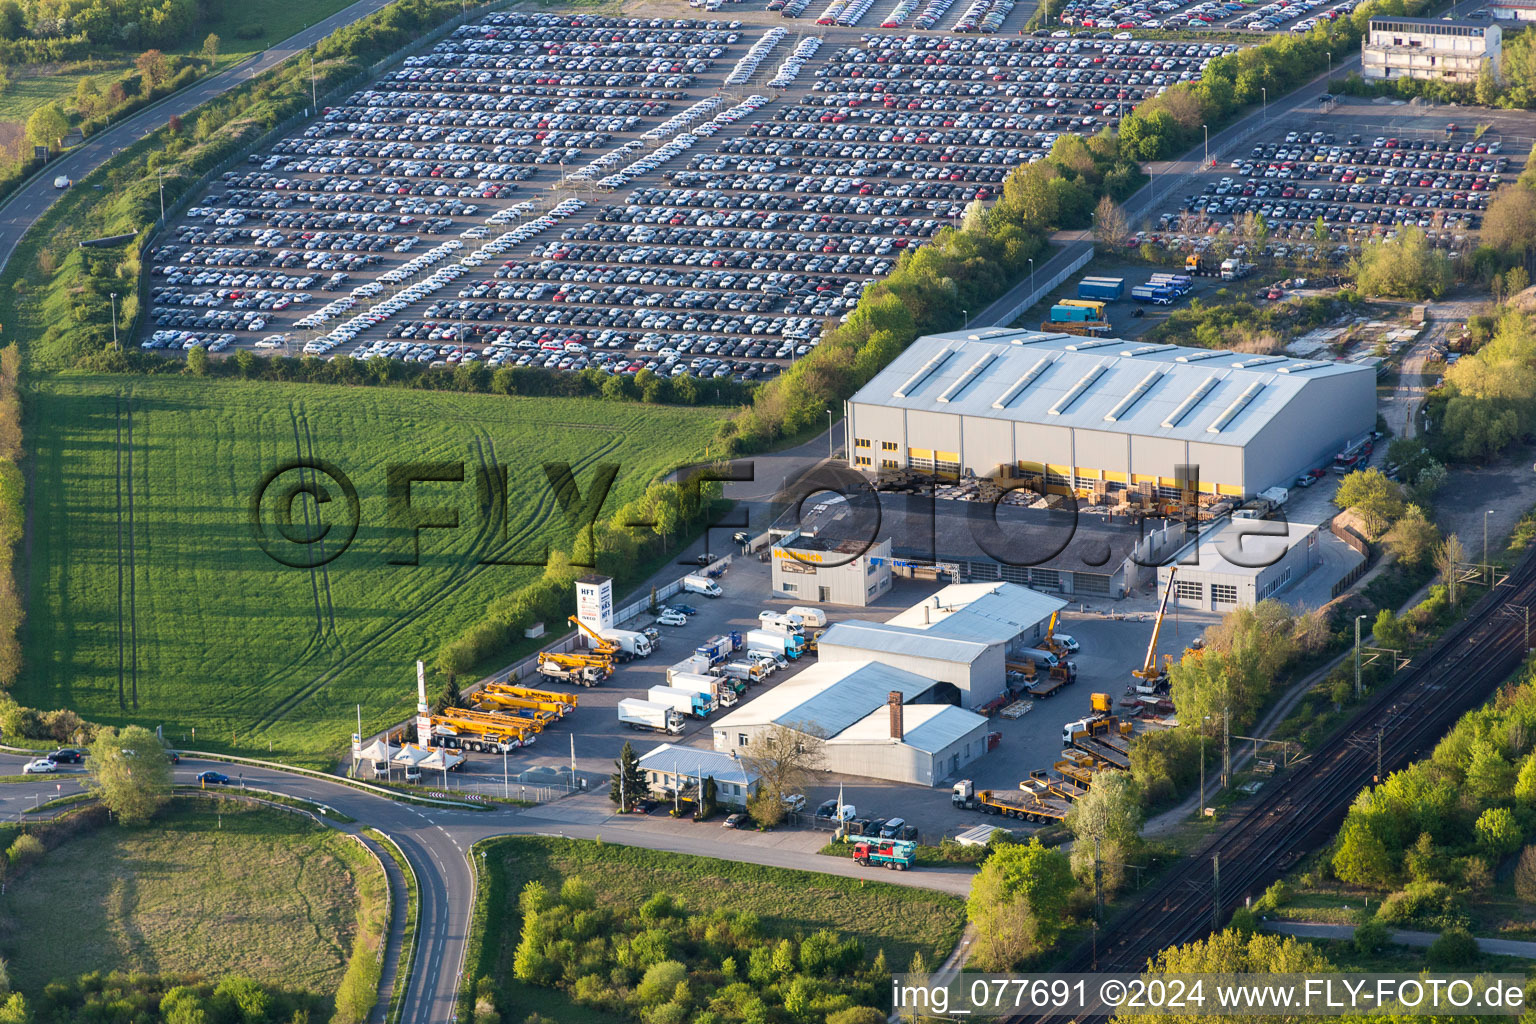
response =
{"points": [[1454, 948], [1370, 936], [248, 30], [1525, 875], [25, 850], [1422, 903]]}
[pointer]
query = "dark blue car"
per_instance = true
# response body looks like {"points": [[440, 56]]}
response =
{"points": [[213, 778]]}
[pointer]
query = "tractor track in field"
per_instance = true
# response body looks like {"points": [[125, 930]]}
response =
{"points": [[482, 554], [127, 584]]}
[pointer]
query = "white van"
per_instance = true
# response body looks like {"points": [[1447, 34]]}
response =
{"points": [[696, 584], [62, 181], [1039, 657]]}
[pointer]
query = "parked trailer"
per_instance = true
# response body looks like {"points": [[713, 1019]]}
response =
{"points": [[1178, 282], [1097, 741], [1106, 288], [1156, 294], [1027, 805], [1064, 786], [689, 702], [1064, 314], [644, 714], [1085, 330], [812, 617]]}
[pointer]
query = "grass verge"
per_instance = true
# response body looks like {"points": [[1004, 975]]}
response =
{"points": [[407, 956]]}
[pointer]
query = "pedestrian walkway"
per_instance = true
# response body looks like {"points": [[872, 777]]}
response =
{"points": [[1419, 940]]}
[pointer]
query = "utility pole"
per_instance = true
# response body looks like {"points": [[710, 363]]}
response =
{"points": [[114, 322], [1098, 900], [1226, 748], [1378, 755], [161, 172], [1357, 655], [1215, 892]]}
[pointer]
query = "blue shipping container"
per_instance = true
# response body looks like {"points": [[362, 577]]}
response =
{"points": [[1106, 288], [1071, 314]]}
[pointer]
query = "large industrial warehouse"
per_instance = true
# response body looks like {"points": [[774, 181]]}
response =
{"points": [[1101, 414]]}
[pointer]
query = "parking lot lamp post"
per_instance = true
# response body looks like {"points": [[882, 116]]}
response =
{"points": [[1265, 92], [114, 321], [503, 771], [1330, 70], [1031, 278], [161, 172], [829, 434], [967, 315], [1207, 144], [1202, 766], [1357, 655], [1485, 543]]}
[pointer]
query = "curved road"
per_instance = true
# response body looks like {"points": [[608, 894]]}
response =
{"points": [[28, 203], [437, 842]]}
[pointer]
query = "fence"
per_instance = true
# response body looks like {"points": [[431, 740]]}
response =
{"points": [[1356, 543], [1006, 310]]}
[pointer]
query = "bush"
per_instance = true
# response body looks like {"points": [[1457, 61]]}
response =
{"points": [[1371, 936], [1525, 875], [1432, 904], [1454, 948], [248, 30], [25, 850]]}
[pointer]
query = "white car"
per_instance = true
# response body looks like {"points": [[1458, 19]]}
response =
{"points": [[672, 618], [41, 766], [1068, 644], [794, 802]]}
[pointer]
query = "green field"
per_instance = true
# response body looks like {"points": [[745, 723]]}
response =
{"points": [[151, 601], [895, 918], [244, 891]]}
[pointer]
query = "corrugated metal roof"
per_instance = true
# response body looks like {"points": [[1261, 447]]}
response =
{"points": [[926, 727], [827, 698], [987, 613], [696, 762], [881, 636], [1031, 377], [1240, 547]]}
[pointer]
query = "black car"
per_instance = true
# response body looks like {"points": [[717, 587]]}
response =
{"points": [[212, 778], [66, 756], [737, 821]]}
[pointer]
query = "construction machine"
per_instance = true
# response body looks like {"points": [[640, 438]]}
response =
{"points": [[601, 647], [583, 669], [495, 695], [1151, 674], [482, 730], [568, 700]]}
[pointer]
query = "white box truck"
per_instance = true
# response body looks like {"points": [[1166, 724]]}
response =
{"points": [[809, 616], [791, 645], [644, 714], [636, 645], [698, 665], [689, 702], [723, 693], [696, 584]]}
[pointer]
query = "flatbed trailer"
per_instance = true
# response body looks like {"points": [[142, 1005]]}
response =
{"points": [[1064, 786], [1095, 747], [1077, 771], [1026, 803]]}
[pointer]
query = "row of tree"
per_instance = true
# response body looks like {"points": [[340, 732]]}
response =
{"points": [[96, 998], [13, 515], [661, 963], [470, 378], [38, 30], [1489, 398]]}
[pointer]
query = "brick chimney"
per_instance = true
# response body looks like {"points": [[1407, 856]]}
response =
{"points": [[893, 705]]}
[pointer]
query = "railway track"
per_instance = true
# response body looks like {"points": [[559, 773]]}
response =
{"points": [[1302, 811]]}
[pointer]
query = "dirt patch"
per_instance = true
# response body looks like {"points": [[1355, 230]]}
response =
{"points": [[1506, 489], [11, 135]]}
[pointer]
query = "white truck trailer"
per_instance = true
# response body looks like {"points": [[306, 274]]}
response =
{"points": [[644, 714], [637, 645]]}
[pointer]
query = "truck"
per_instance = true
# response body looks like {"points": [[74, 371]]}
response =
{"points": [[694, 583], [1180, 283], [1235, 269], [1025, 804], [1263, 505], [722, 691], [1154, 293], [582, 675], [789, 645], [718, 648], [1093, 328], [1198, 265], [1061, 674], [809, 617], [644, 714], [1061, 314], [636, 645], [897, 854], [744, 671], [1105, 288], [689, 702], [698, 665]]}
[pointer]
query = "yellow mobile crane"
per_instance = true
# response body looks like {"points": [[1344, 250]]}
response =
{"points": [[1150, 673], [600, 647], [563, 702], [483, 730], [493, 697]]}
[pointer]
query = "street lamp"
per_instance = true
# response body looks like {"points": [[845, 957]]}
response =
{"points": [[829, 434], [967, 314], [114, 321], [1266, 103], [1330, 70], [1485, 540], [1357, 655], [161, 171], [1207, 144], [1031, 279]]}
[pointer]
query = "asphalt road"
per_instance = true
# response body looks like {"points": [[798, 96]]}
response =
{"points": [[26, 205], [437, 842]]}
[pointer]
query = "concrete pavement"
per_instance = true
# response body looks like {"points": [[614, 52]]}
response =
{"points": [[1419, 940]]}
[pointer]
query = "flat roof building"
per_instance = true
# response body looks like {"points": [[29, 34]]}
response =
{"points": [[1240, 562], [1092, 415], [1513, 10], [1429, 49], [825, 558], [674, 771]]}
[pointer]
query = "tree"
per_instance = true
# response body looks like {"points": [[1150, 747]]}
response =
{"points": [[1361, 857], [153, 67], [1454, 948], [1486, 92], [47, 126], [1448, 556], [211, 46], [1018, 902], [448, 697], [1406, 266], [1379, 501], [131, 772], [175, 126], [1498, 832], [1525, 875], [1490, 778], [1510, 225], [1109, 224], [1414, 537], [781, 758], [197, 361], [1106, 823], [1525, 783], [627, 785], [1232, 952]]}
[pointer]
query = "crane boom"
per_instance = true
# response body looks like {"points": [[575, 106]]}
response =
{"points": [[1148, 670], [599, 644]]}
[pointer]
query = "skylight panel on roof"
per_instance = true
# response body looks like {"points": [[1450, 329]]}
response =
{"points": [[1195, 357], [1023, 382], [1065, 401], [1124, 405], [1081, 346], [1238, 405], [1147, 350], [1188, 405], [1248, 364], [953, 391], [1300, 367], [923, 374]]}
